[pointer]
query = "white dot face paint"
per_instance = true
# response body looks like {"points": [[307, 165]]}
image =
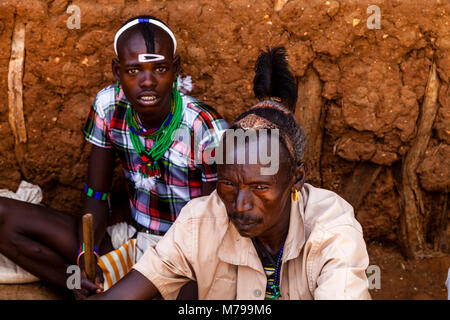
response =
{"points": [[150, 57]]}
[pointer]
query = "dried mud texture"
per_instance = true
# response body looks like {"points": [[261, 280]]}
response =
{"points": [[380, 210], [434, 172], [372, 84]]}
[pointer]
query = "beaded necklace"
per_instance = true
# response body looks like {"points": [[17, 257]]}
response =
{"points": [[162, 136], [275, 287], [276, 282]]}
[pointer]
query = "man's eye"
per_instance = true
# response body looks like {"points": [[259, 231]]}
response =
{"points": [[133, 71], [260, 187], [227, 183], [161, 69]]}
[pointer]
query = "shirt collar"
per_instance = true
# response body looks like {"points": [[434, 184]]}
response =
{"points": [[238, 250]]}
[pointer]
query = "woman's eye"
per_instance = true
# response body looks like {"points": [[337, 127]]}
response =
{"points": [[132, 71]]}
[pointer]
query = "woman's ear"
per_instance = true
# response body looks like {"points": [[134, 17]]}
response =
{"points": [[116, 69], [300, 174]]}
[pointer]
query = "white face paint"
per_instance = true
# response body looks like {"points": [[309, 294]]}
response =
{"points": [[150, 57]]}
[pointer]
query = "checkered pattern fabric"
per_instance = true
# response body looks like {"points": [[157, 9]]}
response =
{"points": [[183, 166]]}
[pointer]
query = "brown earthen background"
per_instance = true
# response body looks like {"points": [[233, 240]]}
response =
{"points": [[372, 85]]}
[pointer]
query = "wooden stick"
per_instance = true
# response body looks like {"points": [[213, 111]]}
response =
{"points": [[308, 113], [441, 239], [88, 238], [412, 233], [15, 86]]}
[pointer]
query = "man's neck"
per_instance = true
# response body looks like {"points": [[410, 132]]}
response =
{"points": [[274, 239], [154, 121], [154, 118]]}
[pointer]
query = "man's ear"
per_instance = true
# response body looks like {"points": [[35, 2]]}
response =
{"points": [[300, 174], [177, 66], [115, 64]]}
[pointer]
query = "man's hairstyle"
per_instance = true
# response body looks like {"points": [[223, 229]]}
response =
{"points": [[147, 31], [272, 66], [273, 79]]}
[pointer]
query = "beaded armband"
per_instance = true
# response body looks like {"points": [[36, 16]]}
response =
{"points": [[95, 194], [81, 251]]}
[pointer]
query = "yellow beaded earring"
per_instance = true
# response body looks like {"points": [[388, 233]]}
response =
{"points": [[295, 195]]}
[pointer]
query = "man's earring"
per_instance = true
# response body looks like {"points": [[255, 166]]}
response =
{"points": [[295, 195], [117, 88]]}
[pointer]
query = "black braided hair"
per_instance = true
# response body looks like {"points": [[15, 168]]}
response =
{"points": [[147, 31], [273, 77]]}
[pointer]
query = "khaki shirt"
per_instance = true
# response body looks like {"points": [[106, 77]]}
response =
{"points": [[324, 256]]}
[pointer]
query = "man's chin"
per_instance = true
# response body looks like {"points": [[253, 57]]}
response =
{"points": [[142, 107], [247, 231]]}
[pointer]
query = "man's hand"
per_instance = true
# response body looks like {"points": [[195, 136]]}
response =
{"points": [[89, 288], [133, 286]]}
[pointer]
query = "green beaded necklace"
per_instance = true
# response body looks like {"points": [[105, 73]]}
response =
{"points": [[162, 136]]}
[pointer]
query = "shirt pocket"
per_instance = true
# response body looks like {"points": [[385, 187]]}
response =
{"points": [[223, 288]]}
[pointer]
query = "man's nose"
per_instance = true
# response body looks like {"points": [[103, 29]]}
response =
{"points": [[243, 201], [147, 80]]}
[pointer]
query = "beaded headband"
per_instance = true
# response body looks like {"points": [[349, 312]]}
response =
{"points": [[271, 103], [152, 21], [256, 122], [253, 121]]}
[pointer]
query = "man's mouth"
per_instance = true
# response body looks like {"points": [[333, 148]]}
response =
{"points": [[244, 224], [148, 100]]}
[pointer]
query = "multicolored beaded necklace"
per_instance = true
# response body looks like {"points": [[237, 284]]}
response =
{"points": [[162, 136], [273, 288]]}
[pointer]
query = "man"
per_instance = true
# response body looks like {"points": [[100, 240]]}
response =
{"points": [[258, 235], [137, 120]]}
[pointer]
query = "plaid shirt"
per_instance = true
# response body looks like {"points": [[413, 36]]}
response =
{"points": [[156, 207]]}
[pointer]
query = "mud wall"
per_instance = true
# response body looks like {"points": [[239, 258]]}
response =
{"points": [[361, 90]]}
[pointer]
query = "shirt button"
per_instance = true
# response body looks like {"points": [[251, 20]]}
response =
{"points": [[257, 293]]}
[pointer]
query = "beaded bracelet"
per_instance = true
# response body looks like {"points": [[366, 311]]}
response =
{"points": [[96, 195], [81, 251]]}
